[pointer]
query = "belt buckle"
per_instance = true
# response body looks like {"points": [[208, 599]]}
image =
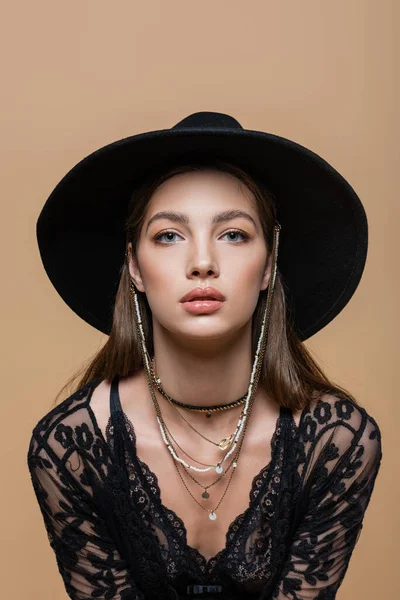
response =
{"points": [[199, 588]]}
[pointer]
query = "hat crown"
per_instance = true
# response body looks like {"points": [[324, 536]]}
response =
{"points": [[208, 120]]}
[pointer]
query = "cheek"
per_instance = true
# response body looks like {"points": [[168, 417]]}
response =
{"points": [[249, 271], [154, 272], [159, 280], [157, 261], [245, 281]]}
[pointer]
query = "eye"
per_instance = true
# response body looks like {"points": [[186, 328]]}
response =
{"points": [[159, 236], [244, 235]]}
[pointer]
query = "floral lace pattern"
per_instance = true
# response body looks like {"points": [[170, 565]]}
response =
{"points": [[112, 537], [179, 557]]}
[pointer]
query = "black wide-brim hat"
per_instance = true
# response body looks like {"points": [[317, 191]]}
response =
{"points": [[323, 240]]}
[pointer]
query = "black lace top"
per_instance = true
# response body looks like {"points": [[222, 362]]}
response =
{"points": [[113, 538]]}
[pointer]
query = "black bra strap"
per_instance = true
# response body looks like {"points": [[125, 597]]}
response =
{"points": [[115, 402], [117, 421]]}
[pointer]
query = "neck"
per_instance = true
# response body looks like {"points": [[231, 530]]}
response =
{"points": [[204, 372]]}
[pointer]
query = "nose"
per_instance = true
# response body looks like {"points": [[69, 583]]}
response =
{"points": [[203, 271], [203, 263]]}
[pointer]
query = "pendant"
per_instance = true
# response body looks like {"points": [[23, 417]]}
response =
{"points": [[212, 516], [219, 469], [208, 415], [225, 442], [205, 494]]}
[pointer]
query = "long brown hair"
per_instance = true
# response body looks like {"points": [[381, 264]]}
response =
{"points": [[289, 373]]}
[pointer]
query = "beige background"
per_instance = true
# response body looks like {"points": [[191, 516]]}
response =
{"points": [[77, 75]]}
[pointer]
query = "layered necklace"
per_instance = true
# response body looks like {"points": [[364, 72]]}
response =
{"points": [[231, 444], [224, 443]]}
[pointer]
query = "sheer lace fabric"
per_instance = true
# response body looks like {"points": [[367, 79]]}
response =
{"points": [[113, 538]]}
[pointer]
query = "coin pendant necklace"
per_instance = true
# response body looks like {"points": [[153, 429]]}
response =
{"points": [[205, 493]]}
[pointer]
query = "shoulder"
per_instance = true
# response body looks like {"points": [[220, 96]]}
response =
{"points": [[65, 425], [336, 422]]}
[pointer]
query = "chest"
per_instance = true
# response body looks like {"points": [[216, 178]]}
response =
{"points": [[229, 494]]}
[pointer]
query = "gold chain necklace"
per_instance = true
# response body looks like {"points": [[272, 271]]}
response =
{"points": [[205, 494], [223, 444], [188, 455], [212, 514]]}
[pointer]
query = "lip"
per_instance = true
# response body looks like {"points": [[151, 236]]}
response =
{"points": [[203, 307], [208, 294]]}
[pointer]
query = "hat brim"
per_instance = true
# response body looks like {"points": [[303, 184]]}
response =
{"points": [[323, 242]]}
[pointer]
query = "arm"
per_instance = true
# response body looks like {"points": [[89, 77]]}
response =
{"points": [[339, 483], [87, 560]]}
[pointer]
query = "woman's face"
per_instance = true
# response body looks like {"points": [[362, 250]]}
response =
{"points": [[175, 256]]}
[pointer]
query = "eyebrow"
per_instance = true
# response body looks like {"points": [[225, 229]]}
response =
{"points": [[222, 217]]}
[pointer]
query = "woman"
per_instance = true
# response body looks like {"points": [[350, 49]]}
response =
{"points": [[204, 453]]}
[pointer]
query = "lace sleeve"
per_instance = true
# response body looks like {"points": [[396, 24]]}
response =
{"points": [[87, 560], [341, 461]]}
